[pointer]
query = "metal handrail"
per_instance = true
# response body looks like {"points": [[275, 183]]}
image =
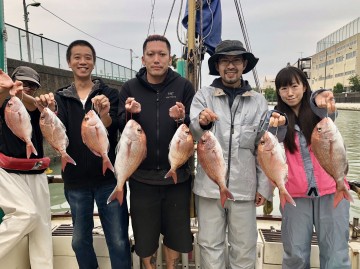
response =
{"points": [[51, 53]]}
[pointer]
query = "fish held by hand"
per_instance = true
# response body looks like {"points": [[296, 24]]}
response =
{"points": [[181, 148], [329, 149], [18, 120], [272, 160], [95, 137], [54, 132], [211, 159], [130, 152]]}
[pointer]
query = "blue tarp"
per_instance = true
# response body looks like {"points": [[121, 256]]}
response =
{"points": [[211, 24]]}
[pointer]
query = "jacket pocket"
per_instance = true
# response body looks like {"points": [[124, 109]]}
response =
{"points": [[247, 136]]}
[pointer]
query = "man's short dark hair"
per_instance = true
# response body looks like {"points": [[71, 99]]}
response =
{"points": [[161, 38], [79, 43]]}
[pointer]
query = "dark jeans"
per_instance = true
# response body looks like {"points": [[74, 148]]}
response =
{"points": [[114, 220]]}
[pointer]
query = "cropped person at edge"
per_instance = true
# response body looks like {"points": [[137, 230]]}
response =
{"points": [[312, 188], [24, 192]]}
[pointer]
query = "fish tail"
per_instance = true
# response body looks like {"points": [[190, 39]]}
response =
{"points": [[224, 195], [65, 158], [118, 194], [30, 149], [172, 173], [107, 165], [286, 197], [341, 194]]}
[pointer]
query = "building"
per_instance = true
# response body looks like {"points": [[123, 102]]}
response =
{"points": [[337, 58], [269, 82]]}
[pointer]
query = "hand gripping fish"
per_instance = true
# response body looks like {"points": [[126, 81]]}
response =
{"points": [[130, 152], [54, 132], [95, 137], [180, 149], [211, 159], [329, 148], [18, 120], [272, 160]]}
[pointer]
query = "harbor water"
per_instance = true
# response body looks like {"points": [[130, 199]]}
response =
{"points": [[348, 123]]}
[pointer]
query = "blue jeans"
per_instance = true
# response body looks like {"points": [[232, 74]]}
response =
{"points": [[114, 220]]}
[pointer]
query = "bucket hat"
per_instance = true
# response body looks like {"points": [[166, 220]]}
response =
{"points": [[231, 47], [26, 73]]}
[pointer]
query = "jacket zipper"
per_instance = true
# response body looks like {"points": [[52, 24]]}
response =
{"points": [[230, 143], [157, 129]]}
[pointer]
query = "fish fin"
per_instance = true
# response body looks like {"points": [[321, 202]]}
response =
{"points": [[224, 195], [286, 197], [95, 153], [30, 149], [107, 164], [66, 159], [172, 174], [116, 194], [341, 194]]}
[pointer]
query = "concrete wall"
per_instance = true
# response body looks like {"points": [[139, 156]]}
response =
{"points": [[54, 78]]}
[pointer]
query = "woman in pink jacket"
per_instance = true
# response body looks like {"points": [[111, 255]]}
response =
{"points": [[311, 187]]}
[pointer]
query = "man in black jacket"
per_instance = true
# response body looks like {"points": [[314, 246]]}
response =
{"points": [[86, 182], [159, 100]]}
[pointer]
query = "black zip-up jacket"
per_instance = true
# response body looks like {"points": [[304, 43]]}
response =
{"points": [[88, 169], [154, 118]]}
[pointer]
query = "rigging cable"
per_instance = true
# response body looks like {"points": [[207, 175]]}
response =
{"points": [[152, 17], [167, 23], [177, 25], [82, 30], [246, 39]]}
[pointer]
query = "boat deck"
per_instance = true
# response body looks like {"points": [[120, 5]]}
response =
{"points": [[269, 248]]}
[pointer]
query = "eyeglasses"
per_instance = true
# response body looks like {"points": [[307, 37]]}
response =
{"points": [[234, 61], [30, 86]]}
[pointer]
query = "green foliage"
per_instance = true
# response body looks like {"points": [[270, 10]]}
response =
{"points": [[338, 88], [270, 94], [355, 83], [174, 61]]}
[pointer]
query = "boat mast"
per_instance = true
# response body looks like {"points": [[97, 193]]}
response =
{"points": [[192, 59], [2, 38]]}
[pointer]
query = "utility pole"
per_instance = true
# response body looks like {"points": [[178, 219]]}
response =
{"points": [[2, 38], [326, 54], [191, 71], [131, 63], [26, 19]]}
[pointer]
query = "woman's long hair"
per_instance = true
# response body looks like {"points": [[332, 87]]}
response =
{"points": [[306, 119]]}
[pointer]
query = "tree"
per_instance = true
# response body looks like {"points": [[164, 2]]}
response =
{"points": [[174, 61], [338, 88], [354, 83], [270, 94]]}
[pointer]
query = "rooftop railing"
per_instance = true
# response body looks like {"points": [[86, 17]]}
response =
{"points": [[48, 52]]}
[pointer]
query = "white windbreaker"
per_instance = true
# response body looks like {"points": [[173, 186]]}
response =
{"points": [[248, 109]]}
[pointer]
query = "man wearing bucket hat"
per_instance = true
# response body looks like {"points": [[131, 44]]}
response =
{"points": [[24, 191], [236, 114]]}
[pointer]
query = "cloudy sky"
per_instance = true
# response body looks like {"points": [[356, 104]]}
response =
{"points": [[280, 31]]}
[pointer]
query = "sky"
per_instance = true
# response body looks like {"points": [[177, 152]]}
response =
{"points": [[280, 31]]}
